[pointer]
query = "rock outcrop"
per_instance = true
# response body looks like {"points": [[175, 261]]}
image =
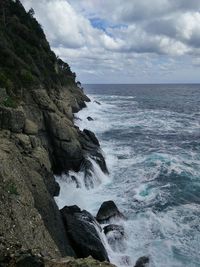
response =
{"points": [[81, 228], [28, 259], [108, 211], [38, 98]]}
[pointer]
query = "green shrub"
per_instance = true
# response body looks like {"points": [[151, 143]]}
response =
{"points": [[26, 77], [10, 102], [12, 189]]}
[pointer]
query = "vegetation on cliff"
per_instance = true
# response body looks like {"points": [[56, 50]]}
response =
{"points": [[38, 138], [26, 59]]}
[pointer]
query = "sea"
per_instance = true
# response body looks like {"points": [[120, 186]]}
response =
{"points": [[150, 137]]}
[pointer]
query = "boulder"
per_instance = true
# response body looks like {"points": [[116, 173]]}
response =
{"points": [[90, 119], [30, 127], [81, 227], [142, 262], [107, 211]]}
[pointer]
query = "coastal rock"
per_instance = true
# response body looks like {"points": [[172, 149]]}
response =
{"points": [[108, 211], [12, 119], [115, 235], [97, 102], [91, 148], [30, 127], [67, 153], [114, 227], [90, 118], [81, 227], [142, 262], [91, 136], [28, 259]]}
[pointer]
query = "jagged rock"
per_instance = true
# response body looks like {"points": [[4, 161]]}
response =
{"points": [[114, 227], [75, 180], [70, 262], [81, 229], [28, 259], [115, 235], [3, 94], [91, 147], [90, 119], [107, 211], [142, 262], [91, 136], [12, 119], [30, 127], [97, 102], [67, 153], [24, 142]]}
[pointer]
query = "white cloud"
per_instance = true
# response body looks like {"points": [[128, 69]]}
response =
{"points": [[133, 33]]}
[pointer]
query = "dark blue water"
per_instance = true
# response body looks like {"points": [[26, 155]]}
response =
{"points": [[151, 138]]}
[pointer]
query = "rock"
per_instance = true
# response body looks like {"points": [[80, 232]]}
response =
{"points": [[70, 262], [67, 153], [115, 235], [97, 102], [107, 211], [90, 119], [12, 119], [29, 261], [91, 136], [142, 262], [114, 227], [30, 127], [75, 180], [91, 147], [24, 142], [81, 229]]}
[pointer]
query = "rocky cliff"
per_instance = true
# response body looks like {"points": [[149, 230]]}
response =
{"points": [[38, 97]]}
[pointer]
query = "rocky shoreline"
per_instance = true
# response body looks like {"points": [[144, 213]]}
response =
{"points": [[39, 139], [39, 96]]}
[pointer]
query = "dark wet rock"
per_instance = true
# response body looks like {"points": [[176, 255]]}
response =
{"points": [[114, 227], [81, 229], [115, 235], [90, 118], [91, 147], [97, 102], [107, 211], [142, 262], [75, 180], [91, 136]]}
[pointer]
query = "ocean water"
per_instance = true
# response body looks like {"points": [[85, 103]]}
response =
{"points": [[150, 136]]}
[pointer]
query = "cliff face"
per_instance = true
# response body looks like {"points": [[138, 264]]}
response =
{"points": [[38, 96]]}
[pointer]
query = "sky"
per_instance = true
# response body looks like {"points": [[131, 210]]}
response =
{"points": [[124, 41]]}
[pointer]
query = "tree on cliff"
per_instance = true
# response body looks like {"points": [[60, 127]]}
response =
{"points": [[26, 59]]}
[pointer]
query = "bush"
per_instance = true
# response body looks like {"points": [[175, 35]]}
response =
{"points": [[10, 102], [12, 189]]}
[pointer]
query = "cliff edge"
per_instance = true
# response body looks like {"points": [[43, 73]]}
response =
{"points": [[38, 97]]}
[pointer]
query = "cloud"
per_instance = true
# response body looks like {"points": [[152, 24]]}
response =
{"points": [[113, 35]]}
